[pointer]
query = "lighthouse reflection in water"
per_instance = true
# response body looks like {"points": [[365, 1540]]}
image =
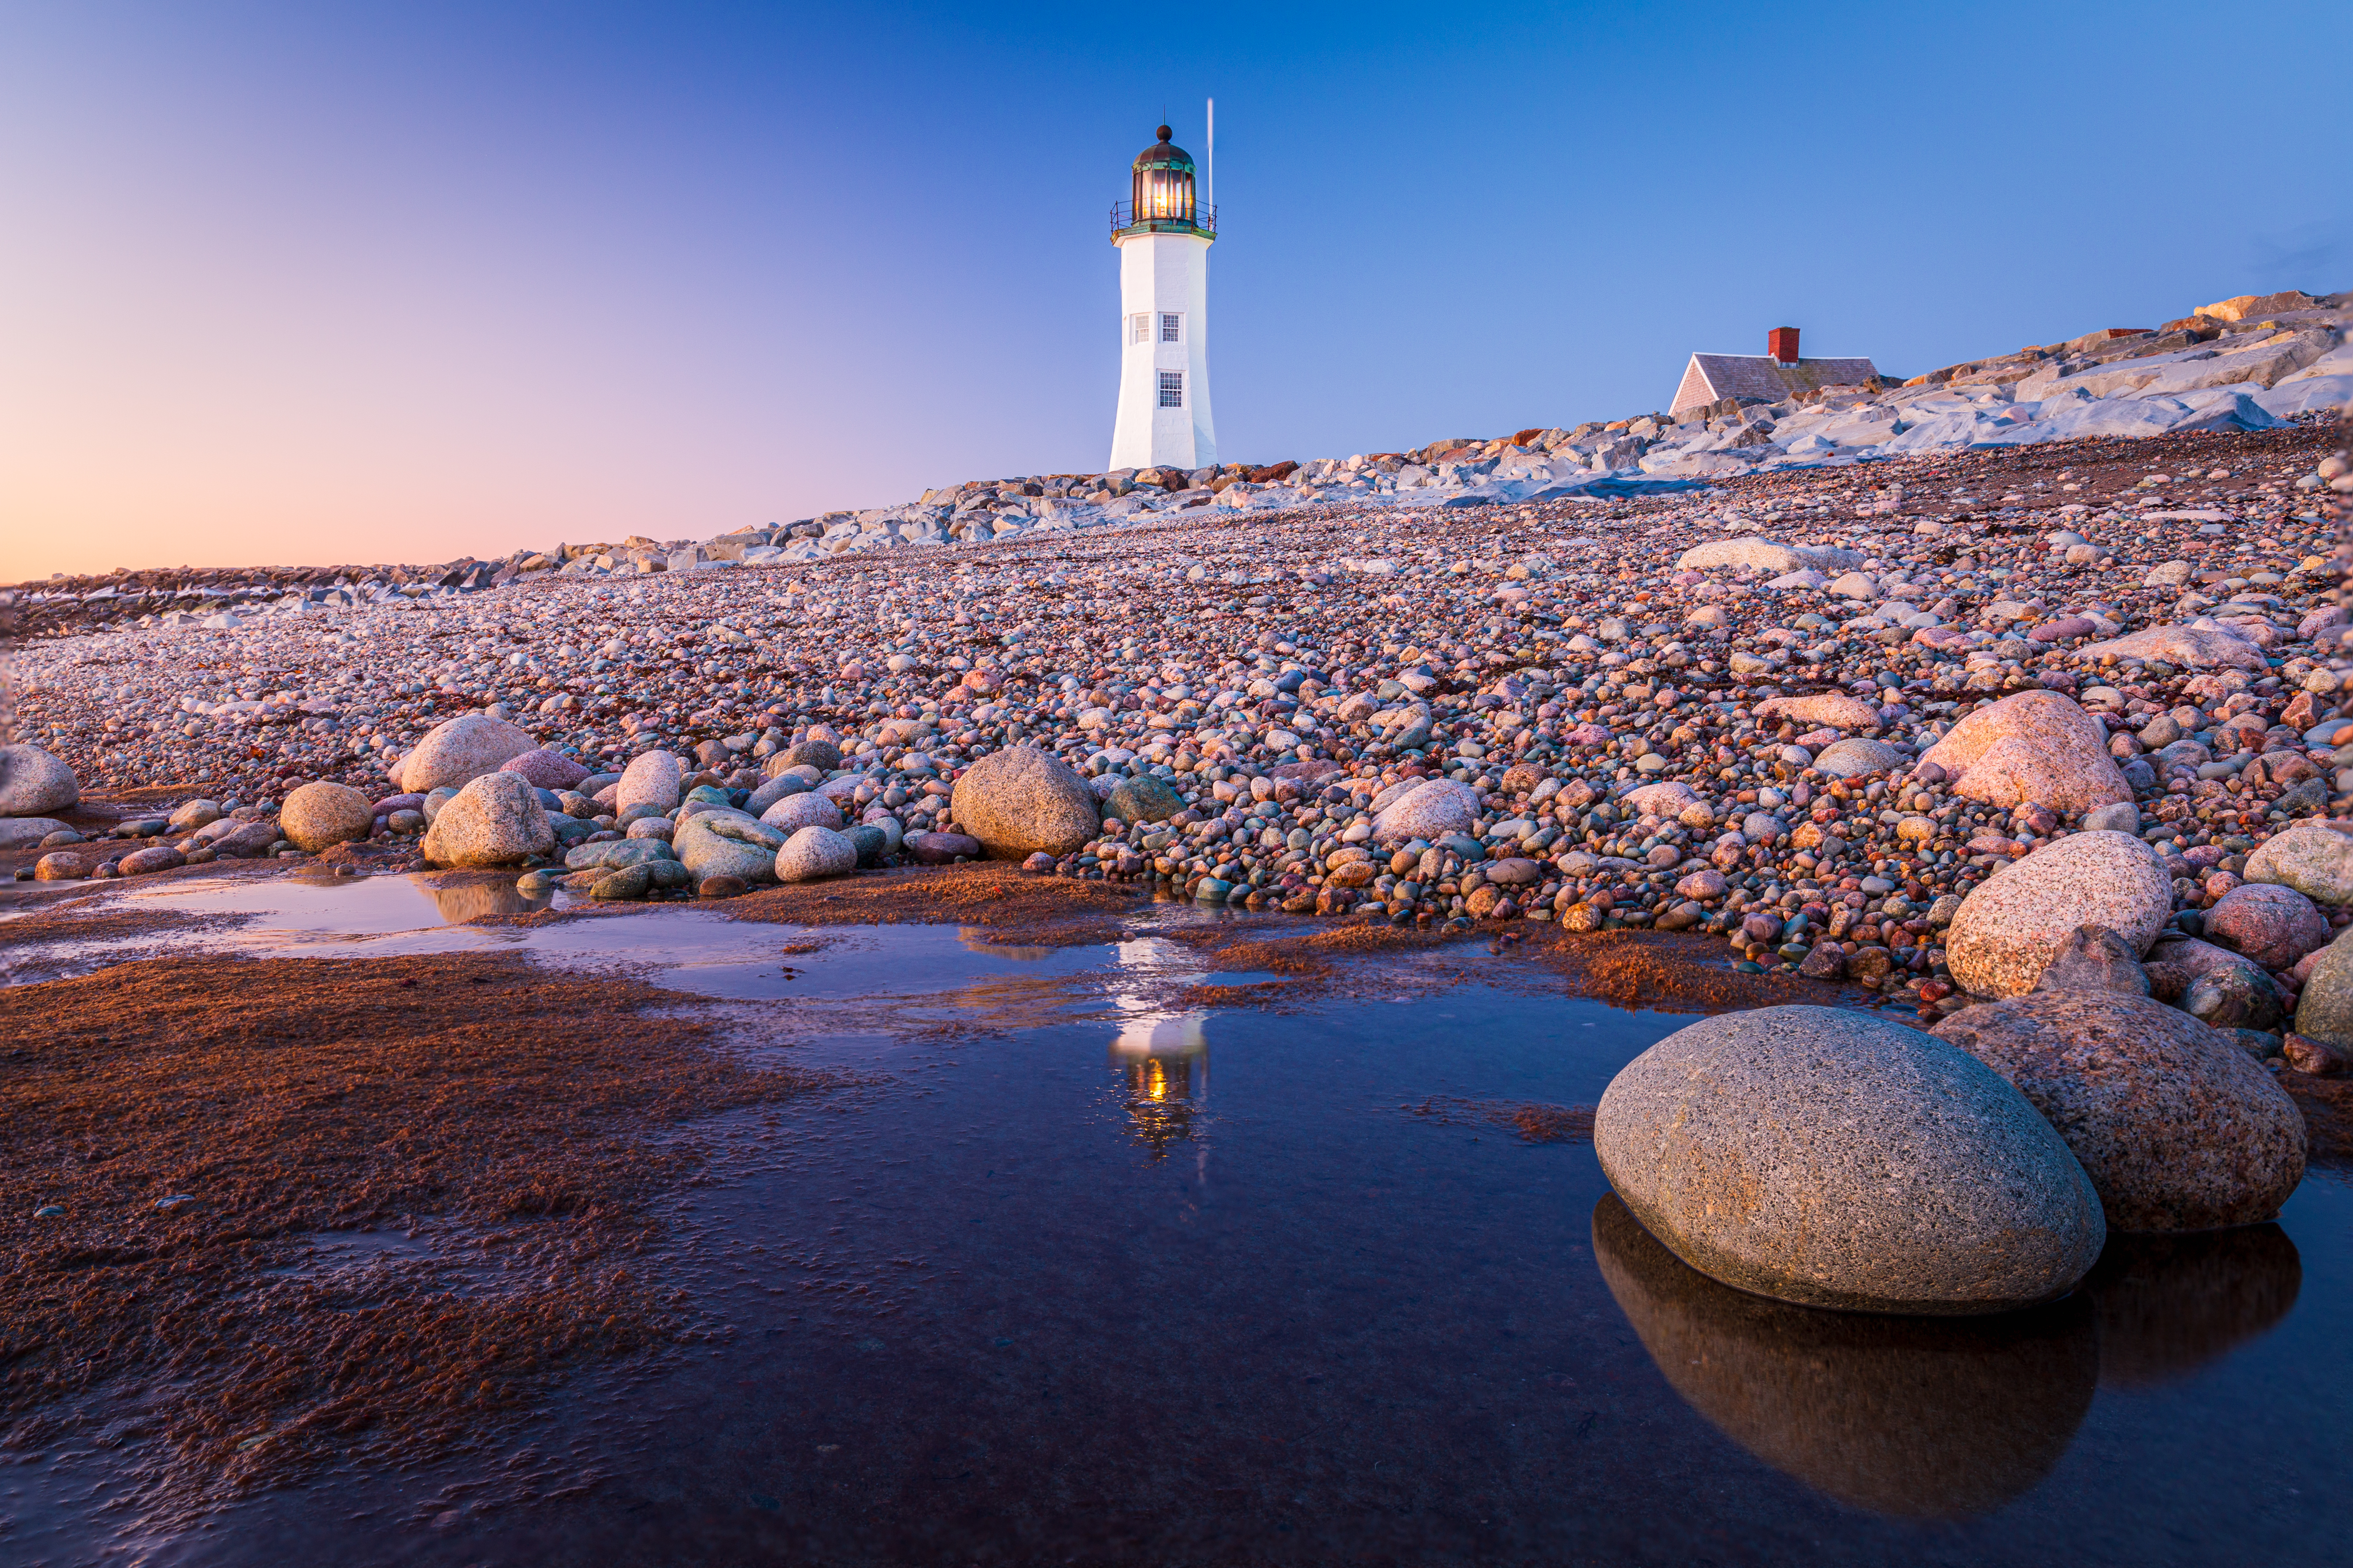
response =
{"points": [[1163, 1061], [1162, 1057]]}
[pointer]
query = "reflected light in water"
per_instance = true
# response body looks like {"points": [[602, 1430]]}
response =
{"points": [[1162, 1057]]}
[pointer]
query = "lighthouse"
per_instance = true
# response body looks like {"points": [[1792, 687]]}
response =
{"points": [[1164, 235]]}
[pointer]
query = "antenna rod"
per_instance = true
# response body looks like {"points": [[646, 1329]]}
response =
{"points": [[1209, 168]]}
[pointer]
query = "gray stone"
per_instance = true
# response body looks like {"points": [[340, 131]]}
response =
{"points": [[1835, 1159], [2324, 1010], [617, 852], [495, 820], [822, 755], [726, 843], [941, 849], [24, 832], [2314, 858], [1020, 801], [795, 812], [1853, 757], [2122, 817], [2235, 997], [814, 853], [321, 814], [2095, 959], [2177, 1127], [460, 749], [33, 783], [1143, 798], [2012, 926], [652, 779], [775, 790], [193, 815]]}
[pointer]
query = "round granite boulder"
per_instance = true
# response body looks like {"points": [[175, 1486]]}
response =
{"points": [[653, 779], [1835, 1159], [814, 853], [793, 812], [495, 820], [460, 749], [2273, 925], [2313, 859], [35, 783], [1021, 801], [2011, 927], [2178, 1128], [321, 814], [2036, 746], [1430, 810]]}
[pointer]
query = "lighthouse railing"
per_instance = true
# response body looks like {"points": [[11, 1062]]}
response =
{"points": [[1204, 218]]}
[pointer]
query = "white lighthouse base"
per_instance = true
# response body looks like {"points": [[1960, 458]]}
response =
{"points": [[1160, 276]]}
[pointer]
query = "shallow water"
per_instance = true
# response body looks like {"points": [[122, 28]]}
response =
{"points": [[1083, 1278]]}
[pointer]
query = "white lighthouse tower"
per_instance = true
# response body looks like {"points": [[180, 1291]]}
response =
{"points": [[1164, 238]]}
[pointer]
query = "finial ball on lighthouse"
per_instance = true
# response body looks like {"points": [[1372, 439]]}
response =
{"points": [[1164, 235]]}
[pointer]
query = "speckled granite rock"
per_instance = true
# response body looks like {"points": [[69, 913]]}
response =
{"points": [[1839, 709], [2273, 925], [2324, 1010], [33, 783], [2010, 928], [1022, 800], [460, 749], [2036, 746], [1916, 1417], [2314, 860], [495, 820], [1836, 1159], [2178, 1128], [653, 779], [319, 813]]}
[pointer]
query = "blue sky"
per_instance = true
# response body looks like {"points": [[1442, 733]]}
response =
{"points": [[368, 283]]}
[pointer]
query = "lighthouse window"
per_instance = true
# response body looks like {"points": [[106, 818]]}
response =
{"points": [[1172, 389], [1172, 329], [1139, 327]]}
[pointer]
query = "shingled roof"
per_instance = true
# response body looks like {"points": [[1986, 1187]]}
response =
{"points": [[1714, 376]]}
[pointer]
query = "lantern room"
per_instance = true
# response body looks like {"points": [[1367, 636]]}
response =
{"points": [[1161, 200]]}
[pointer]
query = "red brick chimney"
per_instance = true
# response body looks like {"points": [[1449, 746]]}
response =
{"points": [[1781, 342]]}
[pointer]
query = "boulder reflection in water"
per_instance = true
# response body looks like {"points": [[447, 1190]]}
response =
{"points": [[1918, 1417], [474, 898], [2170, 1304]]}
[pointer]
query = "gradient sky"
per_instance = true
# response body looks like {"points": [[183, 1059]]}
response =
{"points": [[316, 284]]}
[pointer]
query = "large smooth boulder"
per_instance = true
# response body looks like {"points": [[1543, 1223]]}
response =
{"points": [[2037, 746], [2313, 857], [795, 812], [1836, 1159], [2178, 1128], [24, 832], [2272, 924], [318, 815], [1430, 810], [545, 769], [1023, 801], [653, 779], [2190, 646], [727, 844], [495, 820], [814, 853], [1915, 1417], [2013, 925], [33, 783], [613, 854], [460, 749], [1765, 555]]}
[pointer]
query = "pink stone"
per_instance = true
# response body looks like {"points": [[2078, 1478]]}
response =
{"points": [[543, 768]]}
